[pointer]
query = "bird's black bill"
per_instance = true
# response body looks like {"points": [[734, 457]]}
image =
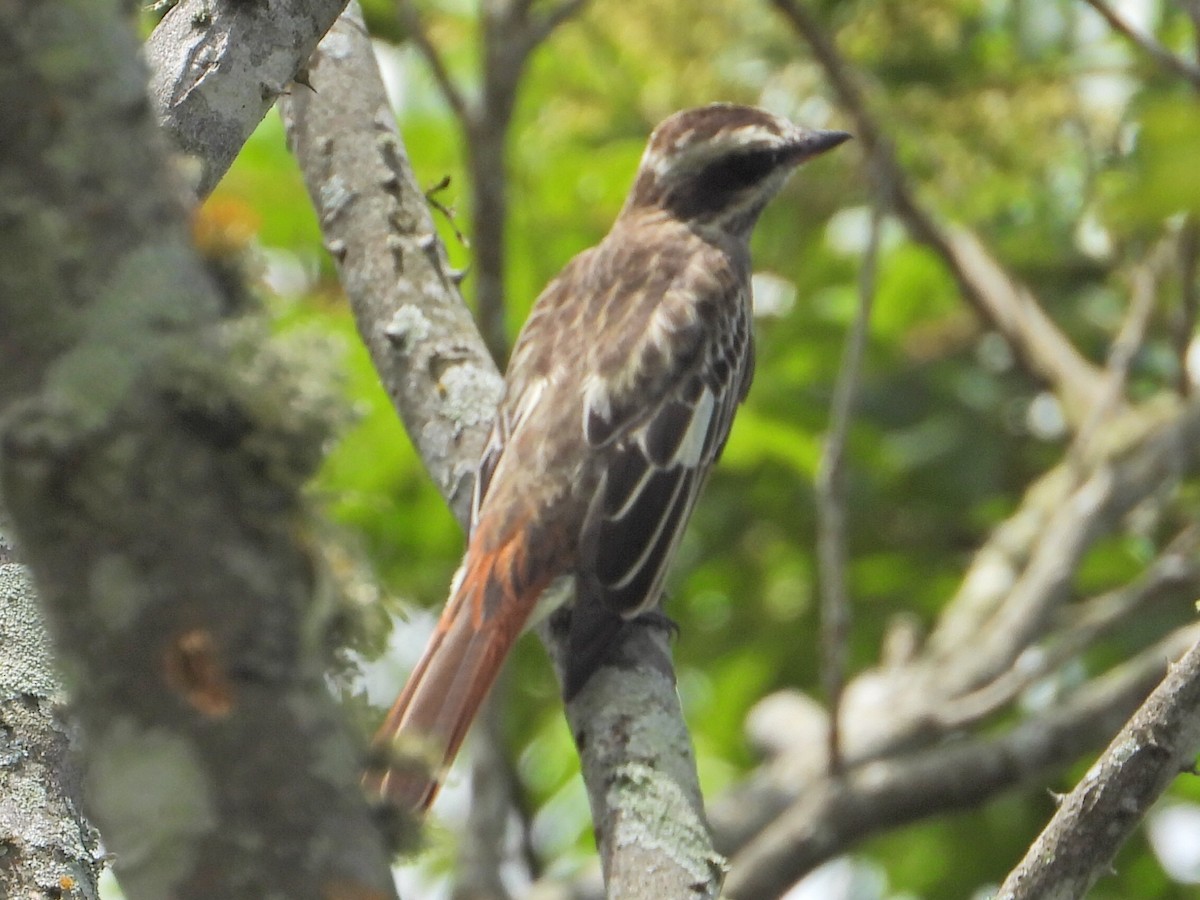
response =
{"points": [[814, 143]]}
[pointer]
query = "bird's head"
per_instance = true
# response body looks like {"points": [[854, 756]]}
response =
{"points": [[719, 165]]}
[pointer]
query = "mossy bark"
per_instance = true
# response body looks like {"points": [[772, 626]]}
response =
{"points": [[155, 488]]}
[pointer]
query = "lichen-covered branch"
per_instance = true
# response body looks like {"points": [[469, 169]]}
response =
{"points": [[152, 460], [640, 772], [47, 843], [831, 500]]}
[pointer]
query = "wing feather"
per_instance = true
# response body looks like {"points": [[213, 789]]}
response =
{"points": [[650, 355], [527, 378], [661, 439]]}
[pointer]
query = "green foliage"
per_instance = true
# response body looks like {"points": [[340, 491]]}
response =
{"points": [[1159, 181]]}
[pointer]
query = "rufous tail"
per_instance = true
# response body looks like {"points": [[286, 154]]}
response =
{"points": [[429, 720]]}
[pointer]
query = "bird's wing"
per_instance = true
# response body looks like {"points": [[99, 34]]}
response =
{"points": [[532, 358], [657, 424], [654, 353], [634, 363]]}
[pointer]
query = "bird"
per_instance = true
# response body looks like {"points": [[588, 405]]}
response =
{"points": [[619, 397]]}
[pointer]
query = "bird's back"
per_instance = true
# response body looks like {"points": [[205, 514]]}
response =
{"points": [[620, 327]]}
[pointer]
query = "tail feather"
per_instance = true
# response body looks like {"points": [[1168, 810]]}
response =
{"points": [[427, 724]]}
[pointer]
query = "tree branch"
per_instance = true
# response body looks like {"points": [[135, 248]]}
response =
{"points": [[996, 296], [1077, 848], [433, 364], [378, 229], [216, 68], [154, 481], [46, 841], [1125, 346], [830, 499], [892, 710], [835, 813], [1176, 65], [1175, 572], [1091, 510], [640, 771], [411, 19]]}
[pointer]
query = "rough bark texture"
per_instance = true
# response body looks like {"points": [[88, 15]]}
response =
{"points": [[1078, 846], [155, 491], [216, 68], [378, 229], [640, 772], [45, 845]]}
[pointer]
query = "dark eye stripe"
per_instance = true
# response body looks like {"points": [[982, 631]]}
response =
{"points": [[712, 189], [732, 173]]}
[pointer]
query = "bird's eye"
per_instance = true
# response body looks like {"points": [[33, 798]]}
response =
{"points": [[738, 171]]}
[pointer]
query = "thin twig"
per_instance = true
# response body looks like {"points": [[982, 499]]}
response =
{"points": [[831, 500], [411, 20], [995, 295], [1125, 346], [446, 211], [832, 815], [1182, 67], [1192, 8], [540, 28], [1189, 294], [1175, 568]]}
